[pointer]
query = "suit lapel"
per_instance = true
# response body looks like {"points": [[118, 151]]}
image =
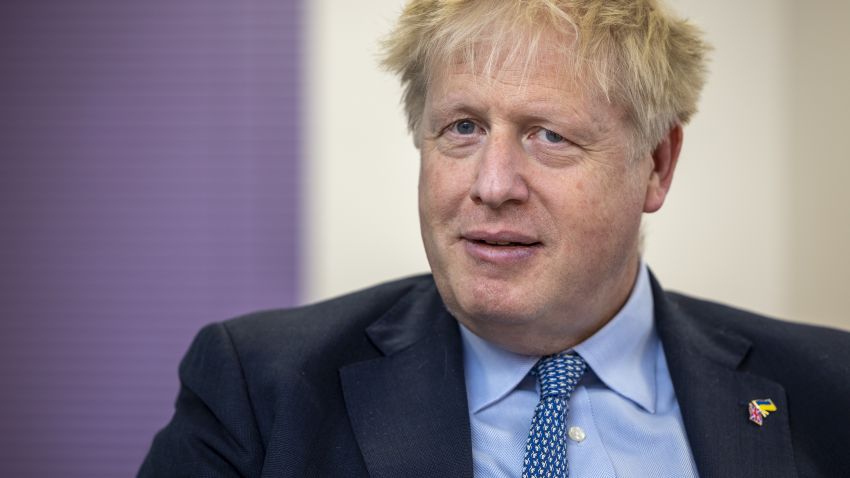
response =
{"points": [[713, 388], [408, 408]]}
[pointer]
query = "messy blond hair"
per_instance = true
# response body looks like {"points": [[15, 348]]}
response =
{"points": [[637, 54]]}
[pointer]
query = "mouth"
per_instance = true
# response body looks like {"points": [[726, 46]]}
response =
{"points": [[503, 248], [501, 239], [504, 243]]}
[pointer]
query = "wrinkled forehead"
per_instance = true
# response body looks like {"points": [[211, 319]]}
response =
{"points": [[542, 61], [517, 57], [518, 67]]}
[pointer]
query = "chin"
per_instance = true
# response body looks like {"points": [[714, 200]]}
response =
{"points": [[493, 303]]}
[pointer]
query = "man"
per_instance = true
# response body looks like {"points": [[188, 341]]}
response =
{"points": [[541, 345]]}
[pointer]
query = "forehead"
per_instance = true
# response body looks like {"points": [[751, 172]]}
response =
{"points": [[511, 55], [541, 69], [539, 79]]}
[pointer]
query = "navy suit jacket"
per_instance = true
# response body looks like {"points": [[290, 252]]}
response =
{"points": [[372, 385]]}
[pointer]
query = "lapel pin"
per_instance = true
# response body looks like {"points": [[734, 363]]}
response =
{"points": [[759, 409]]}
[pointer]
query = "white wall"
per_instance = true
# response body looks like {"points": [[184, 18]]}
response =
{"points": [[731, 229], [722, 233], [820, 197], [362, 166]]}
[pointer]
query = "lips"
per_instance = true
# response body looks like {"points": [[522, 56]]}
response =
{"points": [[501, 248]]}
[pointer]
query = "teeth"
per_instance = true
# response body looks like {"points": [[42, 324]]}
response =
{"points": [[499, 243]]}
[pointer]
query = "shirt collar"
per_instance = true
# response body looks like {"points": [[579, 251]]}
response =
{"points": [[491, 371], [622, 354]]}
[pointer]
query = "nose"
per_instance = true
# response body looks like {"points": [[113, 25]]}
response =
{"points": [[499, 180]]}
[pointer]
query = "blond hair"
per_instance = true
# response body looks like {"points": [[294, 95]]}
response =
{"points": [[638, 54]]}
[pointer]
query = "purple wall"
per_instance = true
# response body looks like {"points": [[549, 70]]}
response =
{"points": [[148, 185]]}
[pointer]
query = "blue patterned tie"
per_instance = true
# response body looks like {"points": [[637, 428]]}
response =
{"points": [[546, 449]]}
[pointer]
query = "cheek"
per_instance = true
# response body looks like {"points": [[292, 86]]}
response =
{"points": [[430, 194], [441, 189], [593, 207], [619, 209]]}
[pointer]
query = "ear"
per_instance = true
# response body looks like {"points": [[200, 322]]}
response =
{"points": [[664, 159]]}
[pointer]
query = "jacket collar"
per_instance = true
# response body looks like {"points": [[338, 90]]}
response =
{"points": [[408, 407], [713, 387]]}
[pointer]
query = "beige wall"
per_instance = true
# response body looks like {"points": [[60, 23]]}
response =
{"points": [[722, 232], [820, 190], [757, 216], [362, 167]]}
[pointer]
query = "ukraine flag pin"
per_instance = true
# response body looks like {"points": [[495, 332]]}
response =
{"points": [[759, 409]]}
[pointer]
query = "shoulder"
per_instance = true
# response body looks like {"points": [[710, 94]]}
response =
{"points": [[780, 349], [333, 330], [759, 328], [327, 320]]}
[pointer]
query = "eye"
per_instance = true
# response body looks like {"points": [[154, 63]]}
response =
{"points": [[552, 136], [464, 127]]}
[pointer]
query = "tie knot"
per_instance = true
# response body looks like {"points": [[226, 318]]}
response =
{"points": [[558, 374]]}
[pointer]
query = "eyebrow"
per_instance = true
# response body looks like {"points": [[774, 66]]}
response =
{"points": [[443, 110], [581, 123]]}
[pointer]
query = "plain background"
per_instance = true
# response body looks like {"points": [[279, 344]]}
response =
{"points": [[759, 213], [149, 184]]}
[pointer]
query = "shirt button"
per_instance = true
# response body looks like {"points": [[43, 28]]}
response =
{"points": [[577, 434]]}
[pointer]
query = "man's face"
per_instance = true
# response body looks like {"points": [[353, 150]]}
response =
{"points": [[530, 203]]}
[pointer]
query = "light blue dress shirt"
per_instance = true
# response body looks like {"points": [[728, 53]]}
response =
{"points": [[629, 422]]}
